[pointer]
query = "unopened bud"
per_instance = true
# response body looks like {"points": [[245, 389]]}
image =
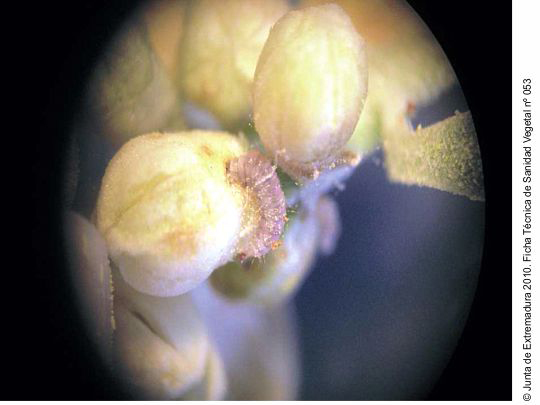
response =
{"points": [[309, 89], [168, 211], [222, 42]]}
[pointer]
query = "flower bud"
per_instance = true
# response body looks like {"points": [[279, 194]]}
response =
{"points": [[163, 347], [309, 88], [130, 92], [222, 42], [167, 210], [165, 20], [407, 66]]}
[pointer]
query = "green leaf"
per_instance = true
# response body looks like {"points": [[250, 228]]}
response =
{"points": [[444, 156]]}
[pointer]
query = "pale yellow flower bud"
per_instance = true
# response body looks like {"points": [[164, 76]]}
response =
{"points": [[310, 86], [130, 93], [165, 22], [167, 210], [406, 65], [163, 346], [222, 42]]}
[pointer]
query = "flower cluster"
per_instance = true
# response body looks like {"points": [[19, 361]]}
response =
{"points": [[230, 121]]}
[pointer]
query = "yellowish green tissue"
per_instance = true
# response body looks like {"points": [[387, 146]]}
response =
{"points": [[366, 136], [445, 156], [406, 64], [310, 87], [167, 210], [130, 93], [219, 51], [165, 24], [164, 348]]}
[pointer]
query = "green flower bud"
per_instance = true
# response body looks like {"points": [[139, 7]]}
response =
{"points": [[165, 22], [310, 87], [406, 65], [130, 93], [168, 211], [219, 51]]}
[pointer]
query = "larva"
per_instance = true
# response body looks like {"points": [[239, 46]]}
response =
{"points": [[258, 176]]}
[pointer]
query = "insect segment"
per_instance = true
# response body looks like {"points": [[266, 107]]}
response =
{"points": [[266, 201]]}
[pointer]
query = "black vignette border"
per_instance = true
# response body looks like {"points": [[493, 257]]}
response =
{"points": [[65, 41], [477, 40]]}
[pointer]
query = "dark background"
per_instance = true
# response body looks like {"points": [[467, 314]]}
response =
{"points": [[51, 48]]}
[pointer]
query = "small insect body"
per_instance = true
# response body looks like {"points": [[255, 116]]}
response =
{"points": [[267, 209]]}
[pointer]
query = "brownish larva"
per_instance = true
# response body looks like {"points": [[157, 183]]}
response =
{"points": [[256, 173]]}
